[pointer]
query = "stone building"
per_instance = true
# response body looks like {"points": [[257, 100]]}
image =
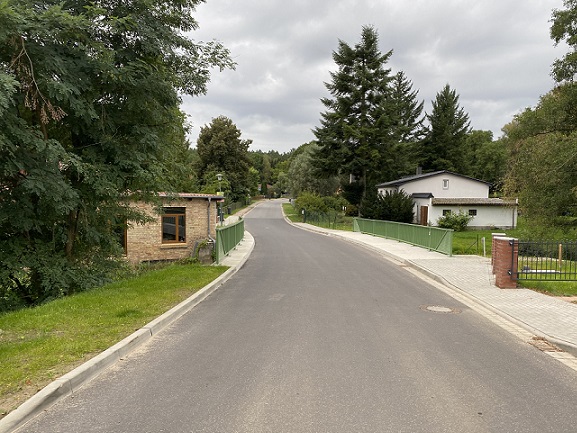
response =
{"points": [[187, 223]]}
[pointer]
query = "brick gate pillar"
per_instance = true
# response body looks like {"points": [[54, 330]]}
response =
{"points": [[505, 256]]}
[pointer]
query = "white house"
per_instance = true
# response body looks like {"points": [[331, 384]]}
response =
{"points": [[442, 192]]}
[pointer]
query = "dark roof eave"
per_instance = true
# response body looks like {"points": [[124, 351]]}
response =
{"points": [[408, 179]]}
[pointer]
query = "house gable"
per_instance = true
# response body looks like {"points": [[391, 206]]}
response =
{"points": [[440, 184]]}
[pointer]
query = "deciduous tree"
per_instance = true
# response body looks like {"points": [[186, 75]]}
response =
{"points": [[564, 29], [221, 149], [89, 94], [543, 162]]}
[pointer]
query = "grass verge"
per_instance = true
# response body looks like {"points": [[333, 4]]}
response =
{"points": [[38, 345], [328, 221], [291, 213], [553, 288]]}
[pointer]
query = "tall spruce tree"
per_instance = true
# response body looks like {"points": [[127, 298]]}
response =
{"points": [[354, 137], [407, 110], [445, 145], [407, 126]]}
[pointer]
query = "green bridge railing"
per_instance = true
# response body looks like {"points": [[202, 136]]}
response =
{"points": [[432, 238], [227, 238]]}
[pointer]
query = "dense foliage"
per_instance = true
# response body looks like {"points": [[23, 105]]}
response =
{"points": [[311, 202], [89, 120], [392, 206], [222, 151], [445, 145], [543, 158]]}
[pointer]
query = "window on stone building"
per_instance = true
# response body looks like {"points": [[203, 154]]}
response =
{"points": [[174, 225]]}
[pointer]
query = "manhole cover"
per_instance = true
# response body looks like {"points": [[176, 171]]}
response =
{"points": [[439, 309]]}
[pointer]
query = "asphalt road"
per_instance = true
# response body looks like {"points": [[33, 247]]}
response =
{"points": [[317, 335]]}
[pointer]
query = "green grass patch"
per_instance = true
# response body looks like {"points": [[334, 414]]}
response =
{"points": [[470, 241], [291, 213], [554, 288], [40, 344], [330, 220]]}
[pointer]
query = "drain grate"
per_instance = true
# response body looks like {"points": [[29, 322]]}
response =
{"points": [[439, 309], [543, 345]]}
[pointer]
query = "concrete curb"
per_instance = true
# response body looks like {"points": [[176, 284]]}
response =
{"points": [[72, 381]]}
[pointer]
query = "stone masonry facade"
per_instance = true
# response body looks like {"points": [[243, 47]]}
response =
{"points": [[144, 242]]}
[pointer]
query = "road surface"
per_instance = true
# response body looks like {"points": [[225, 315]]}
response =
{"points": [[318, 335]]}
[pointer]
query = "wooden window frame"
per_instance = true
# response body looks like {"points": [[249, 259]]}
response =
{"points": [[176, 213]]}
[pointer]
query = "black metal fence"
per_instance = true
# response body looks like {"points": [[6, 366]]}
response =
{"points": [[546, 260]]}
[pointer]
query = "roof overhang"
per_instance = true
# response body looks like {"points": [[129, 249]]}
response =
{"points": [[190, 196], [473, 202]]}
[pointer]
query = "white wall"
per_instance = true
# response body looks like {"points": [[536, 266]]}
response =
{"points": [[487, 216], [458, 187]]}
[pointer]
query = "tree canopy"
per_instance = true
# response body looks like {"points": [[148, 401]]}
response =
{"points": [[89, 101], [564, 29], [543, 157], [445, 145], [221, 150]]}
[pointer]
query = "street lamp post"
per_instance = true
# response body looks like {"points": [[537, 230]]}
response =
{"points": [[219, 177]]}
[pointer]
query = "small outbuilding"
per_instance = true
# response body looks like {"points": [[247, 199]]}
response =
{"points": [[442, 192], [186, 224]]}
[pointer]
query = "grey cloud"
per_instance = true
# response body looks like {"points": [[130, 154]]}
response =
{"points": [[496, 54]]}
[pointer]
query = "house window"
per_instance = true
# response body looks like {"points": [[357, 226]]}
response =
{"points": [[174, 225], [446, 212], [472, 212], [445, 183]]}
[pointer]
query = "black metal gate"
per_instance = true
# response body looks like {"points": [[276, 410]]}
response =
{"points": [[545, 260]]}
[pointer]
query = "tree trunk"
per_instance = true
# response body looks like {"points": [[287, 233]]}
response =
{"points": [[71, 232]]}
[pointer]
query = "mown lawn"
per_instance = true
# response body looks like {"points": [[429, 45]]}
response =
{"points": [[40, 344]]}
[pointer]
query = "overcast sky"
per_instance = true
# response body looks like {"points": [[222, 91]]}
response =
{"points": [[496, 54]]}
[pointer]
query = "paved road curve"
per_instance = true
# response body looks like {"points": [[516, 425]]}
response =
{"points": [[318, 335]]}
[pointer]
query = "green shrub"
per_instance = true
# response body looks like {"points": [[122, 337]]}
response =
{"points": [[456, 221], [391, 206], [310, 203]]}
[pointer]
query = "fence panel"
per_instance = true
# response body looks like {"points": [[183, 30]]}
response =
{"points": [[547, 260], [227, 238], [432, 238]]}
